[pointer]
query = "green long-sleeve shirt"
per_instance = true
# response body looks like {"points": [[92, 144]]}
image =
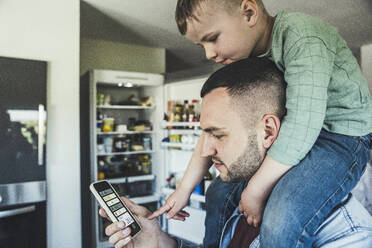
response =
{"points": [[325, 86]]}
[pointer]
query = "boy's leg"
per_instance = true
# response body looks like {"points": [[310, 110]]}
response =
{"points": [[222, 199], [306, 194]]}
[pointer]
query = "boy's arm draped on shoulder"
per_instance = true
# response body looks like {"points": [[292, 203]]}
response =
{"points": [[308, 66]]}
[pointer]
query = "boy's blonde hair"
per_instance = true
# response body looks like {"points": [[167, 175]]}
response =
{"points": [[186, 9]]}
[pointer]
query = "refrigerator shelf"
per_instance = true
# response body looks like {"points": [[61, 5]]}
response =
{"points": [[131, 179], [126, 132], [124, 153], [123, 107], [197, 132], [145, 199], [178, 145], [166, 124], [195, 197]]}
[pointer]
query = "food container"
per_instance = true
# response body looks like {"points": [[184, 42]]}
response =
{"points": [[120, 143], [147, 143], [100, 148], [99, 126], [108, 144], [100, 99], [108, 124], [146, 167], [121, 128]]}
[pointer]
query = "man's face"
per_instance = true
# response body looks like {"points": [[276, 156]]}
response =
{"points": [[233, 148], [225, 37]]}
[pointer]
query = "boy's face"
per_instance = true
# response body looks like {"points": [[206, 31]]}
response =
{"points": [[234, 149], [225, 37]]}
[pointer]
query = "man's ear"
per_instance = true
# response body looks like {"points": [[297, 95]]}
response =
{"points": [[249, 8], [271, 126]]}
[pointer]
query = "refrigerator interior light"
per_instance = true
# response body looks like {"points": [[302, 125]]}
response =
{"points": [[128, 85]]}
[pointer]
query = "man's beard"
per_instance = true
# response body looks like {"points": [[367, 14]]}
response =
{"points": [[246, 164]]}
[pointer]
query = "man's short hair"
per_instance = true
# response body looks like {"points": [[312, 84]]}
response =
{"points": [[186, 10], [255, 85]]}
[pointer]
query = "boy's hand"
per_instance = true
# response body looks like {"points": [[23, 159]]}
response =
{"points": [[174, 205], [252, 205], [255, 195]]}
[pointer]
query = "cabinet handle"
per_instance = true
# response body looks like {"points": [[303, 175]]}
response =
{"points": [[40, 156], [17, 211]]}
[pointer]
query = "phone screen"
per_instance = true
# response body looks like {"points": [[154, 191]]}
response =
{"points": [[113, 202]]}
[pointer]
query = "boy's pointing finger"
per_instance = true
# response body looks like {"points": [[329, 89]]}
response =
{"points": [[159, 212]]}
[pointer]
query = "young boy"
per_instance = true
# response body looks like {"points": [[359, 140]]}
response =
{"points": [[329, 114]]}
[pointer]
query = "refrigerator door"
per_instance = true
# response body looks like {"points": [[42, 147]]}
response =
{"points": [[22, 120]]}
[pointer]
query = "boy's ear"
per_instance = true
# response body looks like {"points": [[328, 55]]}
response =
{"points": [[249, 8], [271, 128]]}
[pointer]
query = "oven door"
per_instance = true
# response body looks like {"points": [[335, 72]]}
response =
{"points": [[14, 194], [22, 120], [23, 226], [23, 215]]}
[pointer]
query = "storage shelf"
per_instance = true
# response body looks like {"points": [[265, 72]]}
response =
{"points": [[124, 153], [180, 124], [131, 179], [126, 132], [124, 107], [179, 145], [103, 244], [145, 199], [197, 132], [195, 197]]}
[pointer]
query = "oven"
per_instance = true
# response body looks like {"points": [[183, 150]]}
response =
{"points": [[22, 153]]}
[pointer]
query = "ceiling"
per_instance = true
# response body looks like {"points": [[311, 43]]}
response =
{"points": [[151, 23]]}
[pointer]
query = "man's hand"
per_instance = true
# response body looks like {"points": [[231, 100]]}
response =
{"points": [[174, 205], [150, 237], [252, 205]]}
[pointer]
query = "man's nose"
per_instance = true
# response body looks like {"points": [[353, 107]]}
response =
{"points": [[207, 148], [210, 52]]}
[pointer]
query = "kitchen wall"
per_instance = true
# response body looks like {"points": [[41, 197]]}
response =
{"points": [[49, 30], [106, 44], [366, 63], [114, 55]]}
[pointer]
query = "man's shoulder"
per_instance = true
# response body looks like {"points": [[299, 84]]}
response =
{"points": [[349, 223]]}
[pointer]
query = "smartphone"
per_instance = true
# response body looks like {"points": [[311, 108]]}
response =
{"points": [[113, 205]]}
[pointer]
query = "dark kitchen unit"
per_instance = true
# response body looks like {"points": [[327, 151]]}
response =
{"points": [[22, 153]]}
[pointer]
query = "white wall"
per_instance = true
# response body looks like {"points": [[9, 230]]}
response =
{"points": [[49, 30], [366, 63]]}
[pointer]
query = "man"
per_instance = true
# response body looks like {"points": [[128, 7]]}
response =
{"points": [[242, 107]]}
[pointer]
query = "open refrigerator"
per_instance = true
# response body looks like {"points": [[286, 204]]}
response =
{"points": [[125, 140]]}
